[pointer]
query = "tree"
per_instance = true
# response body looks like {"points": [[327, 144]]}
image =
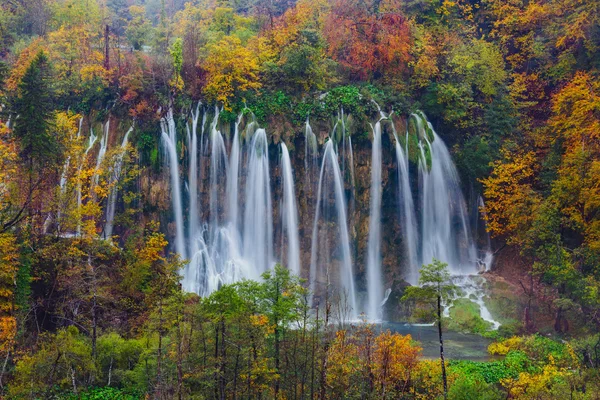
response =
{"points": [[435, 286], [280, 298], [369, 38], [232, 70], [138, 29], [34, 107]]}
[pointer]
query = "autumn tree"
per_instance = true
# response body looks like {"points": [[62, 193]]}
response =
{"points": [[370, 39], [232, 70]]}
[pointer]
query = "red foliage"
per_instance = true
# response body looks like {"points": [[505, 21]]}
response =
{"points": [[369, 38]]}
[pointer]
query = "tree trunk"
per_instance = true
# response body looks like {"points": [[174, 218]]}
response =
{"points": [[106, 48], [439, 310], [158, 389]]}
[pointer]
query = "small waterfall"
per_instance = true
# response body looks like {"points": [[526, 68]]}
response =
{"points": [[322, 252], [169, 140], [375, 290], [290, 213], [112, 196]]}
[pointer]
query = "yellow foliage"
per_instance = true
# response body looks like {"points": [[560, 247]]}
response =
{"points": [[511, 201], [8, 270], [502, 348], [153, 248], [232, 70], [537, 386]]}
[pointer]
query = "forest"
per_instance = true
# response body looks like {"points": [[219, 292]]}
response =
{"points": [[300, 199]]}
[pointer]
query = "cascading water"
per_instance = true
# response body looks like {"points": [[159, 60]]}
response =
{"points": [[375, 290], [408, 220], [218, 172], [62, 184], [169, 139], [311, 154], [233, 182], [194, 212], [289, 213], [445, 233], [486, 257], [331, 204], [91, 141], [101, 153], [229, 235], [258, 217], [112, 196]]}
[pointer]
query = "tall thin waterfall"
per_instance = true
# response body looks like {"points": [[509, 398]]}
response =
{"points": [[112, 196], [194, 212], [101, 153], [445, 232], [91, 141], [233, 181], [289, 213], [331, 204], [169, 139], [375, 290], [408, 220], [218, 170], [62, 185], [258, 217], [487, 257]]}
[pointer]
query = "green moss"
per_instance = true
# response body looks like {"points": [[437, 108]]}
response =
{"points": [[465, 316]]}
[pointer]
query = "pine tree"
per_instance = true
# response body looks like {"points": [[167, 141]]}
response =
{"points": [[34, 108]]}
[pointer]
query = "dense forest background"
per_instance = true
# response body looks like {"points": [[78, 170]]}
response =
{"points": [[513, 85]]}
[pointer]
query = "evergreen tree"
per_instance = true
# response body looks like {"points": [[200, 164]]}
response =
{"points": [[33, 106]]}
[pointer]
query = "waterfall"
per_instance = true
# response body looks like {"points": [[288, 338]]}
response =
{"points": [[289, 213], [101, 153], [311, 152], [258, 217], [374, 278], [218, 170], [91, 141], [194, 212], [230, 234], [407, 212], [445, 232], [112, 196], [233, 182], [62, 186], [169, 140], [322, 252], [487, 257]]}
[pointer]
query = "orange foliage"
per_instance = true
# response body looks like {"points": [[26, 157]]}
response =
{"points": [[369, 37]]}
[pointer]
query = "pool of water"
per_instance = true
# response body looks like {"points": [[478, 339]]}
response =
{"points": [[457, 345]]}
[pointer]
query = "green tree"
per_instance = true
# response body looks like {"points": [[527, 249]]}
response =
{"points": [[435, 287], [34, 108]]}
